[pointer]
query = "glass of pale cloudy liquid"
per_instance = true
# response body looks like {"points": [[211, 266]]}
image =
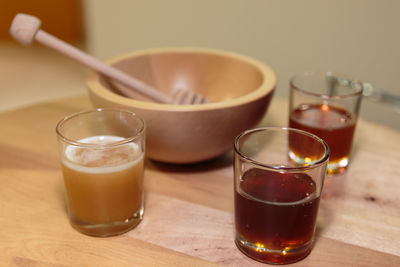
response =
{"points": [[102, 158]]}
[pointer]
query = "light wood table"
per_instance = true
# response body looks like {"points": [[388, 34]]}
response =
{"points": [[188, 215]]}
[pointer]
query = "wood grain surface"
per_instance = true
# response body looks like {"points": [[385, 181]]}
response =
{"points": [[188, 212]]}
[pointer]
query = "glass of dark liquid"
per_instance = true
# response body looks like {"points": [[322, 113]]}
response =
{"points": [[277, 198], [327, 105]]}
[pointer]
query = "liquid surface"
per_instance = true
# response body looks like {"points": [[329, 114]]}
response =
{"points": [[102, 158], [275, 215], [104, 186], [334, 125]]}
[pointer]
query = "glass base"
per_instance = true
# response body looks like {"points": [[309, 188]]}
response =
{"points": [[334, 167], [273, 256], [337, 167], [107, 229]]}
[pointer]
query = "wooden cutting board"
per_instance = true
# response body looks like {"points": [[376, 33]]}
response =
{"points": [[188, 213]]}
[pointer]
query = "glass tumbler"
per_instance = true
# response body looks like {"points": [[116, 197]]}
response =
{"points": [[102, 159], [327, 104], [276, 198]]}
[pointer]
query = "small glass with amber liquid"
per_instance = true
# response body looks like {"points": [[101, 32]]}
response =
{"points": [[276, 199], [102, 160], [326, 105]]}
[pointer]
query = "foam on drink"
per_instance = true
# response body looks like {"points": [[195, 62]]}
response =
{"points": [[103, 159]]}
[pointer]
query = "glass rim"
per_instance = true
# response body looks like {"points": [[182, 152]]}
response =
{"points": [[358, 92], [125, 140], [312, 165]]}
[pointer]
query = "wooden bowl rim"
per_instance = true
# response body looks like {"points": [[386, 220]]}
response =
{"points": [[266, 87]]}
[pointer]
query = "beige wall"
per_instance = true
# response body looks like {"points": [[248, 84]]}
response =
{"points": [[357, 37]]}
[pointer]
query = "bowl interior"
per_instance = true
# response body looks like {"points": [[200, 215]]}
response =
{"points": [[218, 76]]}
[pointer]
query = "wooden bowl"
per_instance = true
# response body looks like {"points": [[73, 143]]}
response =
{"points": [[239, 88]]}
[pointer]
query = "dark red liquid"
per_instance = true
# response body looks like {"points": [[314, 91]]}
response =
{"points": [[334, 125], [275, 211]]}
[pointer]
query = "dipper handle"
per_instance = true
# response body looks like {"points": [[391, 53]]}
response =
{"points": [[26, 28]]}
